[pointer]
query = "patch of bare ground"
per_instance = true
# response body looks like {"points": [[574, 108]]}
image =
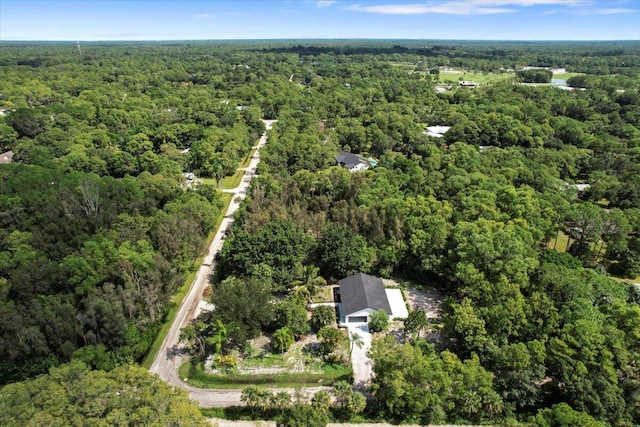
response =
{"points": [[206, 294], [324, 294], [294, 360], [261, 344], [428, 300]]}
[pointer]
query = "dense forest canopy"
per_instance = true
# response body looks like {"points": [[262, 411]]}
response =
{"points": [[75, 395], [99, 228]]}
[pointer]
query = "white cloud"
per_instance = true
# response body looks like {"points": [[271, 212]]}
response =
{"points": [[614, 11], [461, 7], [325, 3], [527, 3], [449, 8]]}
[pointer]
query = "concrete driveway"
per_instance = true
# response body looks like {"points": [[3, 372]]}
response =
{"points": [[396, 301], [362, 364]]}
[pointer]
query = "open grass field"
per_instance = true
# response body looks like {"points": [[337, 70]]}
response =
{"points": [[454, 76], [565, 76], [480, 78], [561, 246]]}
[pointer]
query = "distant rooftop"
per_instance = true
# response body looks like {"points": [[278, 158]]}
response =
{"points": [[351, 161], [436, 131], [6, 158]]}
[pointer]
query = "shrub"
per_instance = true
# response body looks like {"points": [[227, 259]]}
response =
{"points": [[323, 315], [379, 321]]}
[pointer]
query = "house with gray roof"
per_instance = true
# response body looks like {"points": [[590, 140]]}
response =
{"points": [[360, 296], [352, 161]]}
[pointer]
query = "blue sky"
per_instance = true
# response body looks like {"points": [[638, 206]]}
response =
{"points": [[276, 19]]}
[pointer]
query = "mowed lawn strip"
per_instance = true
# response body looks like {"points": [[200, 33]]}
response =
{"points": [[230, 182], [330, 373]]}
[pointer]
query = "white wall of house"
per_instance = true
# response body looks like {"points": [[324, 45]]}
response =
{"points": [[362, 313], [359, 167]]}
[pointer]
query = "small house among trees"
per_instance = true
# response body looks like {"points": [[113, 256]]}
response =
{"points": [[351, 161], [436, 131], [361, 295]]}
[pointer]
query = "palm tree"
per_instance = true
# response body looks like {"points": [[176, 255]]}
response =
{"points": [[283, 339], [321, 401], [356, 340], [281, 401], [250, 396], [307, 286], [342, 390], [219, 338]]}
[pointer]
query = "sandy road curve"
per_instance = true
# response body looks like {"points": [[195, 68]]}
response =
{"points": [[170, 355]]}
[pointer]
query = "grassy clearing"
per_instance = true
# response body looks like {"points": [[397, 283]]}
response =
{"points": [[626, 280], [247, 159], [329, 374], [231, 413], [406, 65], [565, 76], [561, 244], [229, 182], [481, 78], [209, 181], [301, 366], [177, 298]]}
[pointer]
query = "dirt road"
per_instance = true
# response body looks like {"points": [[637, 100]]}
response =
{"points": [[170, 355]]}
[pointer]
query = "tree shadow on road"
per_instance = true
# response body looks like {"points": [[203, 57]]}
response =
{"points": [[175, 351]]}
